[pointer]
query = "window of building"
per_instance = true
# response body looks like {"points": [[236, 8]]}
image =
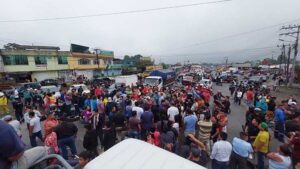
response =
{"points": [[63, 60], [84, 61], [40, 60], [15, 60], [96, 62], [107, 61]]}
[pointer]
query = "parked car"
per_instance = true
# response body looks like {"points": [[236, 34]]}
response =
{"points": [[206, 83], [49, 89], [102, 81], [264, 78], [76, 87], [26, 86], [256, 79], [49, 82]]}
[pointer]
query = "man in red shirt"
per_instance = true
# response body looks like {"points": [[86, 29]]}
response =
{"points": [[249, 96], [98, 91]]}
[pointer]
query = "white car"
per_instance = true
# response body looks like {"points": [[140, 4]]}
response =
{"points": [[206, 83], [76, 87]]}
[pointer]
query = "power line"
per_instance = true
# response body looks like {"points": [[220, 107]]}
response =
{"points": [[113, 13], [221, 52], [233, 35]]}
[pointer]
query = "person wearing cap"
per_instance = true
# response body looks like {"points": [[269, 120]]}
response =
{"points": [[241, 149], [279, 123], [263, 106], [13, 152], [3, 104], [14, 123], [261, 144]]}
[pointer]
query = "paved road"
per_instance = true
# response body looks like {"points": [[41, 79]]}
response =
{"points": [[236, 119]]}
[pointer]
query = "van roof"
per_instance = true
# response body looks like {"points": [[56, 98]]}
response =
{"points": [[154, 77], [136, 154]]}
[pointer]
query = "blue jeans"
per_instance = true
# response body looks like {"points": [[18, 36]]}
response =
{"points": [[134, 134], [33, 137], [219, 164], [279, 131], [63, 143], [260, 160]]}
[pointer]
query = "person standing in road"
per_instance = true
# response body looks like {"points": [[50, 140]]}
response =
{"points": [[261, 144], [3, 104], [90, 141], [146, 122], [18, 106], [279, 123], [190, 123], [66, 134], [172, 112], [241, 151], [295, 141], [138, 109], [14, 123], [35, 129], [221, 152], [249, 96], [205, 127], [281, 159]]}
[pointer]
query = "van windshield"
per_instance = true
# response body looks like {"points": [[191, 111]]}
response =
{"points": [[151, 81]]}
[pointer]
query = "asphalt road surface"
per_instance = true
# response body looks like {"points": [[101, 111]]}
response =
{"points": [[236, 120]]}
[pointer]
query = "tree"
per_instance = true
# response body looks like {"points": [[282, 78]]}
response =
{"points": [[165, 66]]}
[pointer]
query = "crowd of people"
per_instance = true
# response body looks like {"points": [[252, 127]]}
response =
{"points": [[190, 121]]}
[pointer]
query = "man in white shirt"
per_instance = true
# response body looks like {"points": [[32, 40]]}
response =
{"points": [[139, 110], [221, 152], [34, 129], [172, 112], [241, 151]]}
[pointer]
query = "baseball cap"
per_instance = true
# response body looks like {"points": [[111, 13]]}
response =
{"points": [[7, 118], [264, 125], [257, 109]]}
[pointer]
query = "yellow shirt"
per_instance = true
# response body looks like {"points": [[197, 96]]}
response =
{"points": [[261, 142]]}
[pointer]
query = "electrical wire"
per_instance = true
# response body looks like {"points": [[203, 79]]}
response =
{"points": [[233, 35], [113, 13]]}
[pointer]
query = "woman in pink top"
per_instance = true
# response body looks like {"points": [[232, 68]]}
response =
{"points": [[51, 141], [50, 123], [87, 114]]}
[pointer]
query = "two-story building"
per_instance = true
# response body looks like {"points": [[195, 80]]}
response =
{"points": [[30, 63], [84, 63]]}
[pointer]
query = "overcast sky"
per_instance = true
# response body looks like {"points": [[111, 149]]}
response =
{"points": [[199, 33]]}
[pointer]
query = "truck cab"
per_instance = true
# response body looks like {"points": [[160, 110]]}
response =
{"points": [[154, 80]]}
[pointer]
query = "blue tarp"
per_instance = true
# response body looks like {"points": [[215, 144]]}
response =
{"points": [[164, 73]]}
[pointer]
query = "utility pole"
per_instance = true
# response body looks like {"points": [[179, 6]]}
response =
{"points": [[295, 56], [288, 64], [97, 57], [292, 30], [226, 62]]}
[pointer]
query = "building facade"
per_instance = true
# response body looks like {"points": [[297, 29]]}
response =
{"points": [[88, 65], [35, 64]]}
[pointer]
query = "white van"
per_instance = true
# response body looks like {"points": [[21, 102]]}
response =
{"points": [[137, 154], [129, 80], [128, 154], [84, 87]]}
